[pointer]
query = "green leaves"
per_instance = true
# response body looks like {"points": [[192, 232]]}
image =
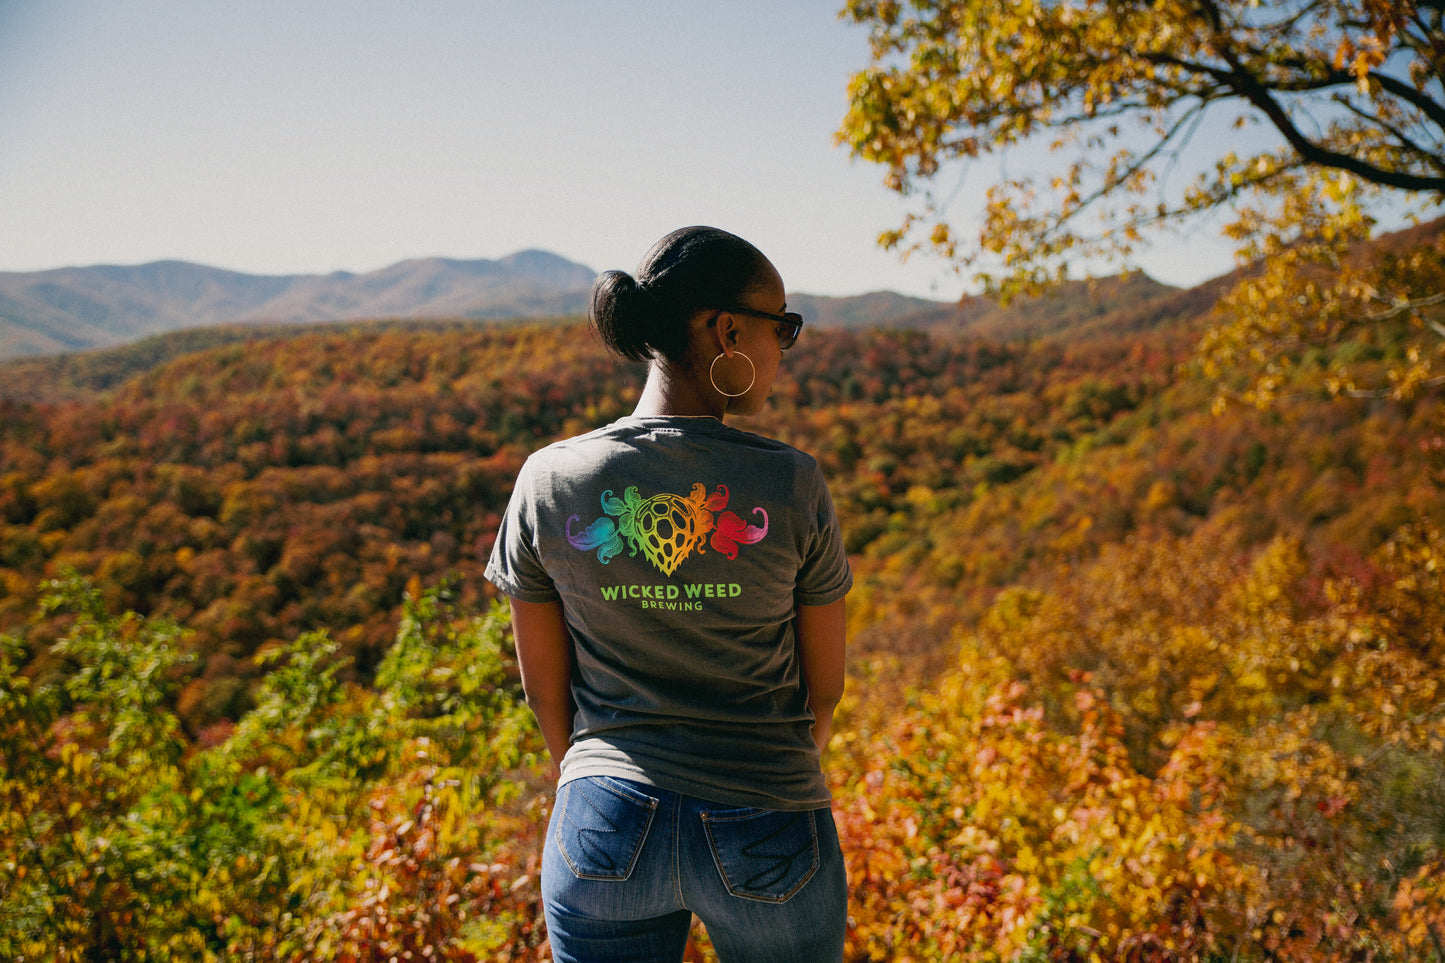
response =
{"points": [[125, 841]]}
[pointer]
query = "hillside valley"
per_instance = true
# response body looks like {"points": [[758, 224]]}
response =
{"points": [[1130, 660], [253, 482]]}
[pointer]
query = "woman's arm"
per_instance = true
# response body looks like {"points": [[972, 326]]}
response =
{"points": [[544, 654], [822, 635]]}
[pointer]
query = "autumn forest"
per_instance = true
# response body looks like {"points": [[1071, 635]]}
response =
{"points": [[1143, 666]]}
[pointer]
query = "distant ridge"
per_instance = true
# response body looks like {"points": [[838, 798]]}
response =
{"points": [[76, 308], [72, 309], [81, 308], [872, 309]]}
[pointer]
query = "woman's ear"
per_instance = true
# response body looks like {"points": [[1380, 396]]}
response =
{"points": [[725, 328]]}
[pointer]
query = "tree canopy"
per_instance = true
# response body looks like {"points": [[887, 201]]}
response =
{"points": [[1128, 681], [1343, 100]]}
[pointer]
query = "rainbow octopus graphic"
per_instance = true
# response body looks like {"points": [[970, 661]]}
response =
{"points": [[666, 528]]}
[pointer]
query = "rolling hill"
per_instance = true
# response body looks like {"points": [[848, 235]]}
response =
{"points": [[70, 309], [46, 313]]}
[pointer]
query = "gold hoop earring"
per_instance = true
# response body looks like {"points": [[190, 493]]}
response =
{"points": [[732, 394]]}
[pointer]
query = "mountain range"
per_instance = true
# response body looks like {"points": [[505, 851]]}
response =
{"points": [[75, 308], [81, 308]]}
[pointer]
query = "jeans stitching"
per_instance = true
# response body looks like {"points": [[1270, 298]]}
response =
{"points": [[708, 819], [650, 806], [677, 850]]}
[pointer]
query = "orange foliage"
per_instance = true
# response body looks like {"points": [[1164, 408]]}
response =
{"points": [[1173, 756], [1132, 681]]}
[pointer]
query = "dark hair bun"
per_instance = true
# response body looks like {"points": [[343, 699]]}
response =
{"points": [[621, 315], [691, 269]]}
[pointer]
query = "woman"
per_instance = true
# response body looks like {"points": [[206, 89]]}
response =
{"points": [[677, 596]]}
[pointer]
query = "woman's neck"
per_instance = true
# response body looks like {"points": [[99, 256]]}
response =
{"points": [[671, 392]]}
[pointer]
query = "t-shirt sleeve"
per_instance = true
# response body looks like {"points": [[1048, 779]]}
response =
{"points": [[515, 566], [825, 575]]}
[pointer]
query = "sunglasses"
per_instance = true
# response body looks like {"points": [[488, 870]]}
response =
{"points": [[792, 323]]}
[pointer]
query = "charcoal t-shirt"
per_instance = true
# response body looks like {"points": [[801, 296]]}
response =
{"points": [[680, 549]]}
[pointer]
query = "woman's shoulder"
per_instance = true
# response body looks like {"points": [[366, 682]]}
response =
{"points": [[782, 449], [667, 436]]}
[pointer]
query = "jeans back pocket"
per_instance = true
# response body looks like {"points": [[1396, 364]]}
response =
{"points": [[601, 825], [763, 854]]}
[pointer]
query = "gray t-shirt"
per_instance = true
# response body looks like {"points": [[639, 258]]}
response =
{"points": [[680, 549]]}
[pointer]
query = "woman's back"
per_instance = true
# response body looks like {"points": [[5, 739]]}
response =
{"points": [[680, 549]]}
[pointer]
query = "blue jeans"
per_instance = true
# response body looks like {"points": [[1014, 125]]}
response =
{"points": [[626, 866]]}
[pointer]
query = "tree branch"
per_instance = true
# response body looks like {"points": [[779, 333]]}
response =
{"points": [[1159, 58], [1403, 306], [1401, 138], [1427, 105], [1249, 87], [1141, 161], [1429, 37]]}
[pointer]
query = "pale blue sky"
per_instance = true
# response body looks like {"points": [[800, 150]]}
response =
{"points": [[306, 136]]}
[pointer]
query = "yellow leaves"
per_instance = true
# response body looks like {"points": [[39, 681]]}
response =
{"points": [[1360, 60], [1319, 288], [1340, 187], [1420, 901], [72, 756], [1235, 818], [984, 77], [1039, 803]]}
